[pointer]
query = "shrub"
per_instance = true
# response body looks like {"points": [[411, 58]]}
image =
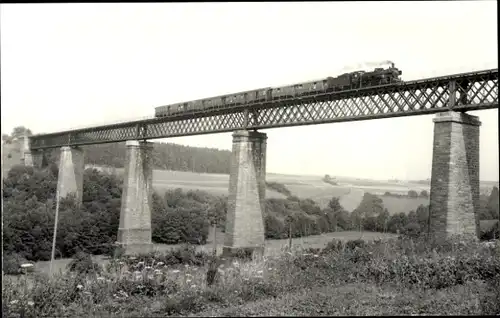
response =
{"points": [[280, 188], [83, 264], [12, 263]]}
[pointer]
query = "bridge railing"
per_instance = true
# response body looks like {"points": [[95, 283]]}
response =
{"points": [[468, 91]]}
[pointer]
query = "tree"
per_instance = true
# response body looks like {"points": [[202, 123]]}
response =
{"points": [[370, 207], [493, 205], [217, 212], [412, 194], [382, 220], [424, 194], [6, 139], [20, 131], [423, 217]]}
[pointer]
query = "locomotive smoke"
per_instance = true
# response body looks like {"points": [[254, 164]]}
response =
{"points": [[365, 66]]}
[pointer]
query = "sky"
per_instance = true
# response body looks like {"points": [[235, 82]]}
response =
{"points": [[68, 66]]}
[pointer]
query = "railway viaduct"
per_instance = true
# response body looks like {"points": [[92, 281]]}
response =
{"points": [[454, 194]]}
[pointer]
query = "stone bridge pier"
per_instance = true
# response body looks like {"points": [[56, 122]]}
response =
{"points": [[247, 190], [454, 195], [71, 167], [134, 232], [31, 158]]}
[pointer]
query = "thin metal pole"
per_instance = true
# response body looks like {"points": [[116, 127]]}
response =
{"points": [[55, 232]]}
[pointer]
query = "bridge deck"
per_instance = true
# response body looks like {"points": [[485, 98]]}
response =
{"points": [[459, 92]]}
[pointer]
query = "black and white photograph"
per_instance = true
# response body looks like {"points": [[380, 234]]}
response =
{"points": [[232, 159]]}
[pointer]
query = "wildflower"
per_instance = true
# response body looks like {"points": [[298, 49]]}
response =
{"points": [[100, 278], [26, 265], [121, 263], [259, 272], [150, 277], [140, 263], [138, 272], [193, 286], [160, 263], [124, 294], [132, 258], [31, 303], [14, 302], [175, 271], [315, 255], [126, 272], [148, 267], [187, 265], [188, 281], [157, 271], [189, 275], [270, 269], [79, 286]]}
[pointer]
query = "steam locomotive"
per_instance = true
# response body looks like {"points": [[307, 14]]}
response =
{"points": [[347, 81]]}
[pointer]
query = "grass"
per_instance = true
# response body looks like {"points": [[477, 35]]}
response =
{"points": [[397, 205], [273, 247], [388, 277]]}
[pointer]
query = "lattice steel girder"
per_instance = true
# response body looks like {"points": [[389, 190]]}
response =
{"points": [[462, 92]]}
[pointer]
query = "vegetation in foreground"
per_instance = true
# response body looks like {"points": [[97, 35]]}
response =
{"points": [[397, 277], [178, 216]]}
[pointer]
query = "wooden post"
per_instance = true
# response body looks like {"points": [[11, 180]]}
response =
{"points": [[215, 240]]}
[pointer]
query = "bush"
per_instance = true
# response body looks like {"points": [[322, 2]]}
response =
{"points": [[83, 264], [280, 188], [492, 231], [29, 209], [12, 263], [186, 254]]}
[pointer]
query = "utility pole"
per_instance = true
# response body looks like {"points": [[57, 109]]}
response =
{"points": [[52, 257]]}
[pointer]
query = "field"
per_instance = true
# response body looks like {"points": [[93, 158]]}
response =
{"points": [[273, 247], [349, 190]]}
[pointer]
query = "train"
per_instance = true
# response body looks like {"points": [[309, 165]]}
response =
{"points": [[347, 81]]}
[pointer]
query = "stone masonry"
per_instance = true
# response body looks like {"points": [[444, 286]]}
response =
{"points": [[71, 168], [31, 158], [454, 195], [247, 190], [134, 233]]}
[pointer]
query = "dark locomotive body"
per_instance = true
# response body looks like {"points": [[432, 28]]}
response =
{"points": [[347, 81]]}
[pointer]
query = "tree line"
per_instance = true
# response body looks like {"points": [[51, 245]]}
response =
{"points": [[166, 156]]}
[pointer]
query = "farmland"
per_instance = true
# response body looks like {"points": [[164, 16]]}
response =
{"points": [[349, 190]]}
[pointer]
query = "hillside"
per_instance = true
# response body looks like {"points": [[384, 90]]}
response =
{"points": [[177, 166], [166, 156]]}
